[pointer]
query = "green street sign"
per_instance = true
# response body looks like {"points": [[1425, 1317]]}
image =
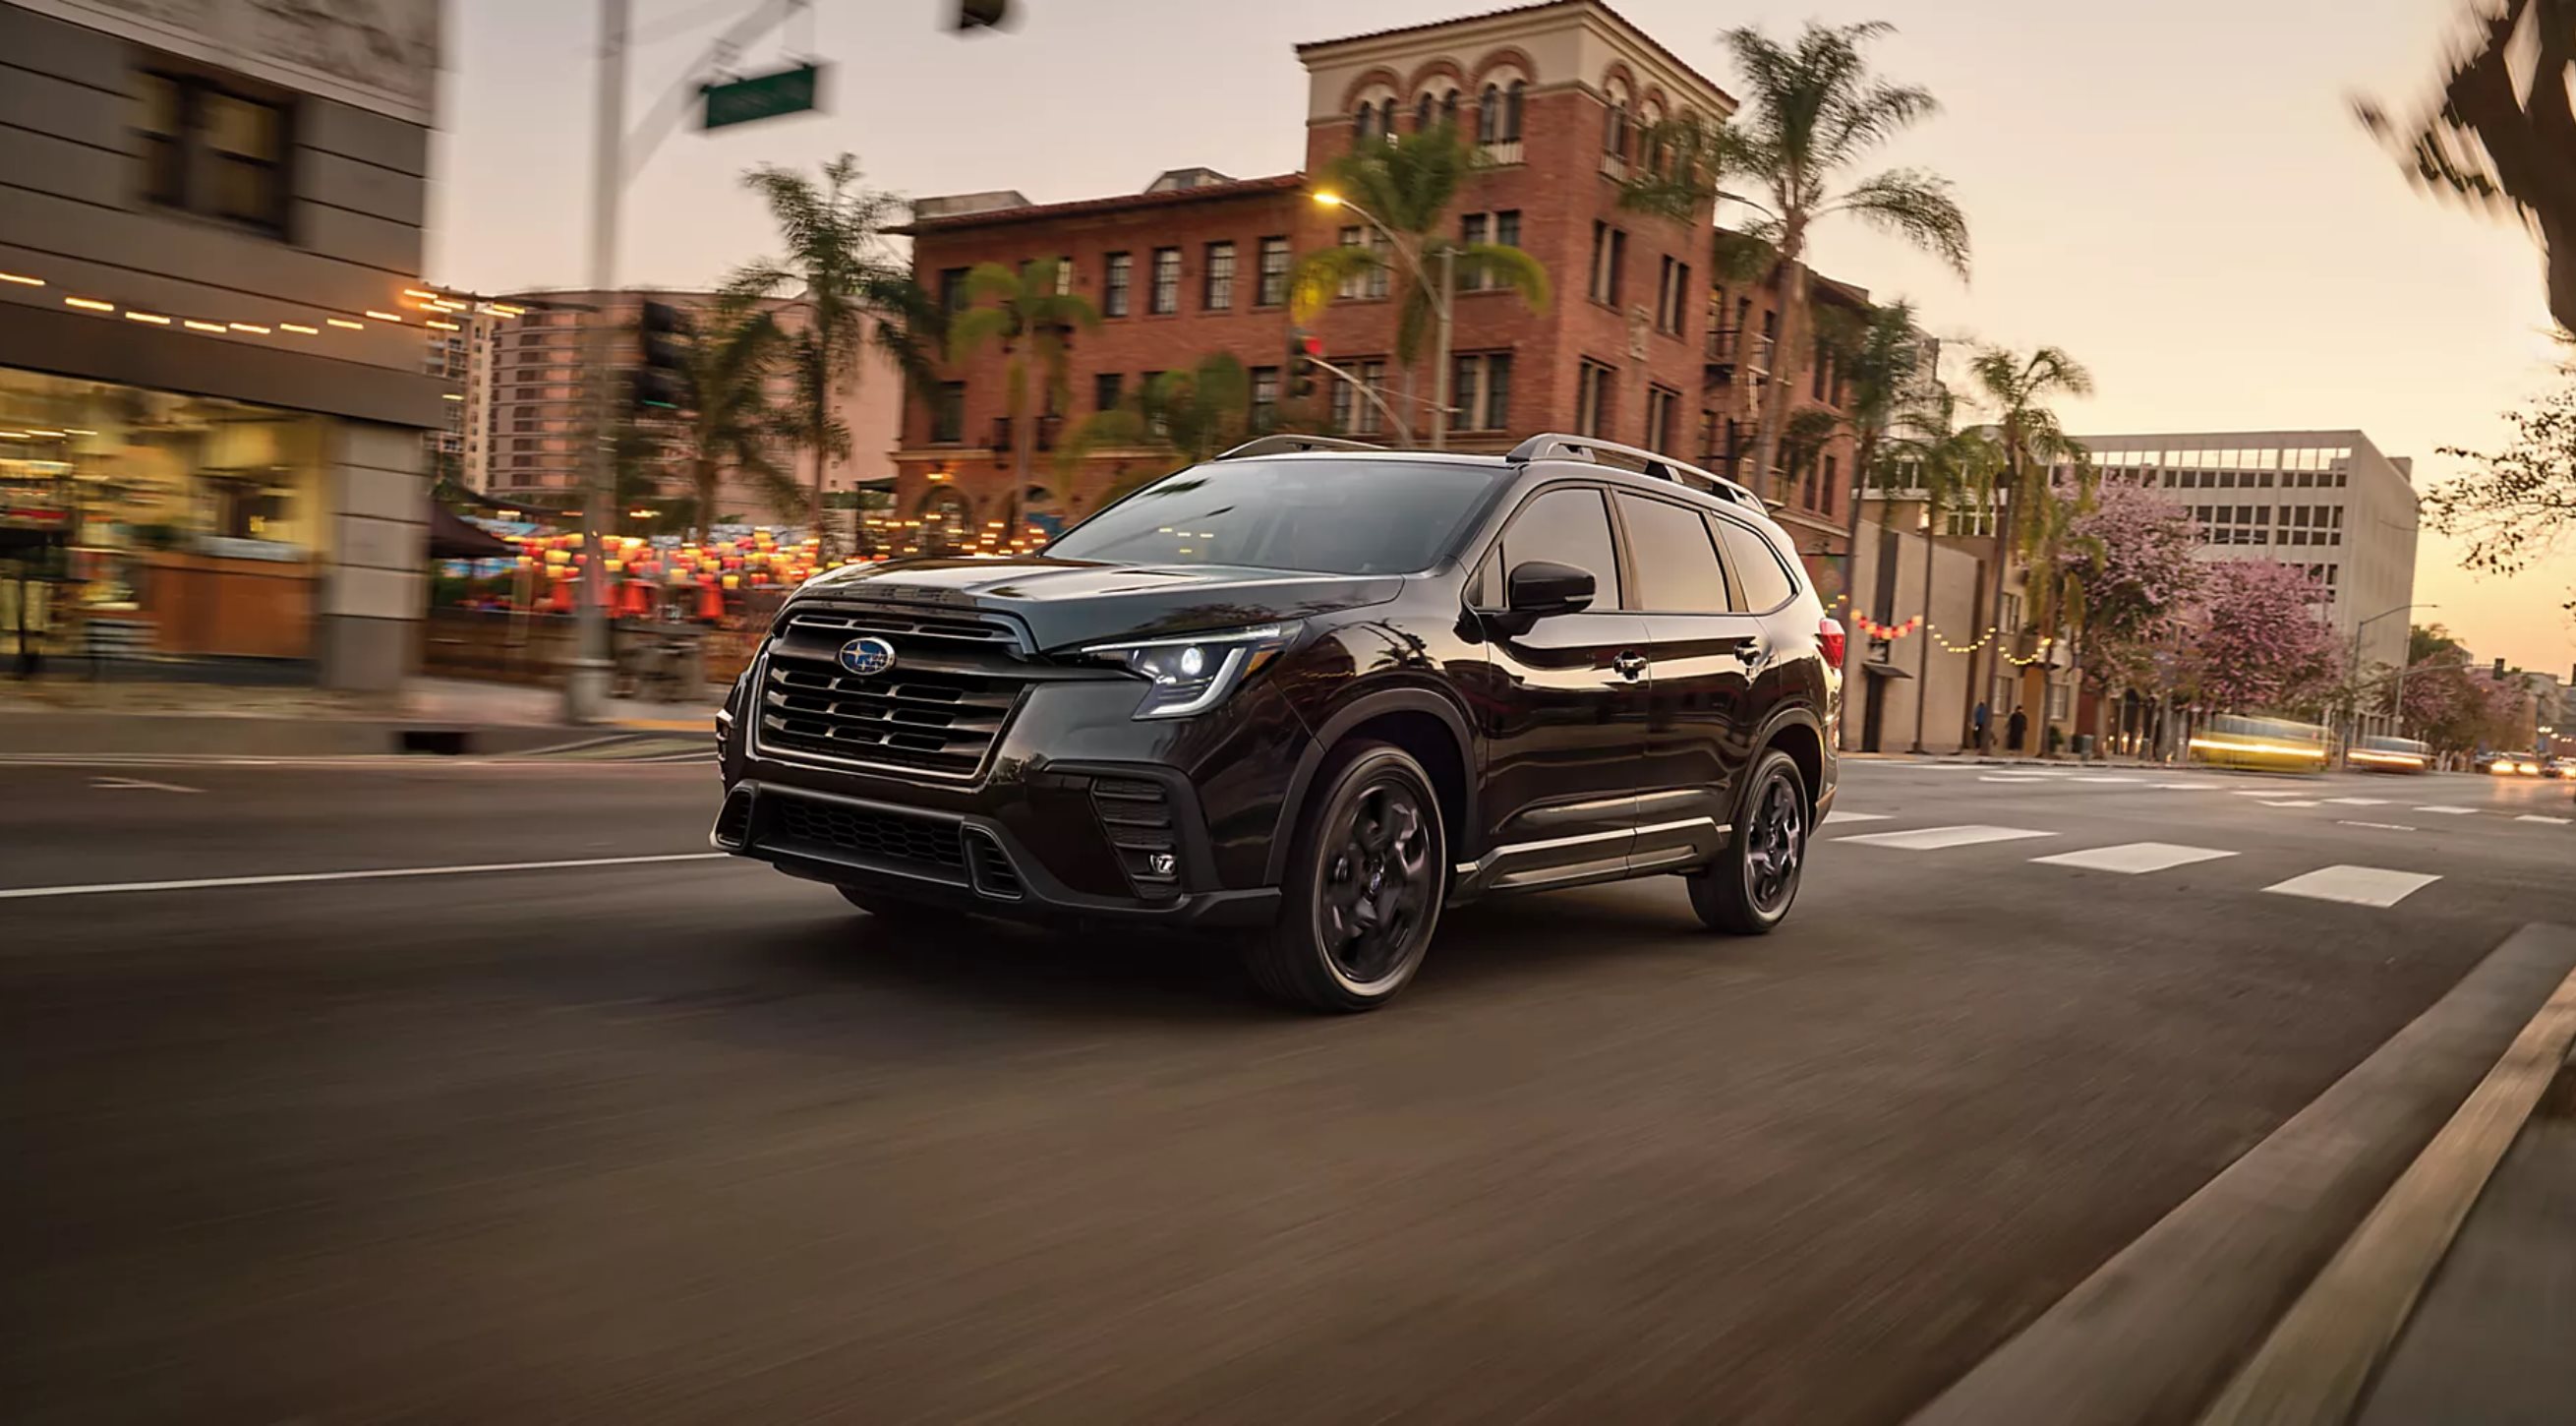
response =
{"points": [[762, 96]]}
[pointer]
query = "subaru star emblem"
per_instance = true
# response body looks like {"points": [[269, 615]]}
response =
{"points": [[868, 656]]}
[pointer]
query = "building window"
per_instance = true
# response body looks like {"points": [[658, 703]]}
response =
{"points": [[1449, 108], [1816, 370], [1104, 391], [1265, 393], [1155, 425], [1167, 282], [1501, 228], [1274, 272], [1591, 399], [1833, 477], [1489, 114], [948, 414], [1371, 283], [1660, 406], [1217, 293], [1363, 121], [1114, 282], [1672, 297], [1354, 412], [1609, 254], [952, 289], [1512, 110], [1422, 110], [1480, 392], [213, 151]]}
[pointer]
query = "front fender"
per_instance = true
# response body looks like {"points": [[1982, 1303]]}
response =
{"points": [[1348, 713]]}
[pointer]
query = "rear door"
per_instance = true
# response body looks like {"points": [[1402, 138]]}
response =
{"points": [[1565, 726], [1702, 649]]}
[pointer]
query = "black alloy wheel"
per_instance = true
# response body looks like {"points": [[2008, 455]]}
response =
{"points": [[1366, 878], [1750, 886]]}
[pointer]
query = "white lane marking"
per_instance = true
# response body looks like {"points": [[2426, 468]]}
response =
{"points": [[2356, 885], [2535, 817], [2382, 826], [2448, 811], [2101, 777], [2011, 777], [1839, 815], [2358, 801], [2261, 792], [105, 888], [2132, 858], [138, 784], [2188, 786], [2293, 802], [1934, 838]]}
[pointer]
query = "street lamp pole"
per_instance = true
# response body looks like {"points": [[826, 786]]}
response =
{"points": [[2352, 729], [1443, 311], [586, 681]]}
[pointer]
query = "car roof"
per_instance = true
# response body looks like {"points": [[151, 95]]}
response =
{"points": [[1544, 468]]}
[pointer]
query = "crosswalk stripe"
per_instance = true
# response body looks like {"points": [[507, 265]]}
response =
{"points": [[2356, 885], [2010, 777], [2293, 802], [2187, 786], [2260, 792], [2358, 801], [1928, 839], [2134, 857], [2449, 811], [2101, 777], [2535, 817], [1839, 815]]}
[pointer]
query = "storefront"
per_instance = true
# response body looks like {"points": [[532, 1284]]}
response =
{"points": [[144, 523]]}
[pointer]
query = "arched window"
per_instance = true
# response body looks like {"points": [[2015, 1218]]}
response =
{"points": [[1512, 111], [1614, 125], [1386, 118], [1422, 113], [1361, 121], [1449, 108], [1489, 114]]}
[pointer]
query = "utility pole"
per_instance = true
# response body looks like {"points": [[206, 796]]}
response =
{"points": [[586, 683]]}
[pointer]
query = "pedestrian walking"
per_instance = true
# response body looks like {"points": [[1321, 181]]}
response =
{"points": [[1977, 726], [2017, 727]]}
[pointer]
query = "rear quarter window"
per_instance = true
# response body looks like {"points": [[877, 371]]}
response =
{"points": [[1766, 581]]}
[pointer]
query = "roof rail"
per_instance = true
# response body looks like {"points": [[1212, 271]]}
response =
{"points": [[1557, 445], [1291, 441]]}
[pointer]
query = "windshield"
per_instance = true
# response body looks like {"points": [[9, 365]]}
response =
{"points": [[1310, 513]]}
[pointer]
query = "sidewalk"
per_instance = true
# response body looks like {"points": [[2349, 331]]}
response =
{"points": [[68, 716]]}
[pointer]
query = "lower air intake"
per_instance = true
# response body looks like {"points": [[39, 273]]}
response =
{"points": [[989, 867], [1136, 815], [733, 821]]}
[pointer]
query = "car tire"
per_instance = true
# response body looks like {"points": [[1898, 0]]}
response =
{"points": [[893, 910], [1367, 874], [1747, 891]]}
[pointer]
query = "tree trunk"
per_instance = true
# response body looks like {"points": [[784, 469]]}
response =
{"points": [[1923, 660], [1774, 414]]}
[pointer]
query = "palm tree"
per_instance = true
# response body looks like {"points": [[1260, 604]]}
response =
{"points": [[2032, 440], [1954, 469], [1817, 110], [1032, 318], [854, 291], [728, 424], [1405, 189], [1184, 416], [1879, 360]]}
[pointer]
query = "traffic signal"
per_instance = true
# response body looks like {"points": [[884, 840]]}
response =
{"points": [[983, 14], [660, 384], [1304, 350]]}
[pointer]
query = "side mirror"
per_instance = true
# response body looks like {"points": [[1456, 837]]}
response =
{"points": [[1538, 588]]}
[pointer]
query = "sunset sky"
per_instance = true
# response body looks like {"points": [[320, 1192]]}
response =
{"points": [[2175, 193]]}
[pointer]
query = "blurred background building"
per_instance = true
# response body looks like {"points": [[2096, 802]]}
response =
{"points": [[212, 411]]}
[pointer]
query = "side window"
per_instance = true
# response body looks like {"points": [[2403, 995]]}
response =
{"points": [[1567, 526], [1767, 584], [1668, 545]]}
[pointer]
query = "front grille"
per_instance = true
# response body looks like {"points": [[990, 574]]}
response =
{"points": [[989, 867], [1136, 815], [890, 837], [939, 710]]}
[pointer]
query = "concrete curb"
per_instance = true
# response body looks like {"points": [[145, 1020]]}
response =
{"points": [[2153, 1334]]}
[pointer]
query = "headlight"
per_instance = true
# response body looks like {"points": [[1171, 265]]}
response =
{"points": [[1191, 675]]}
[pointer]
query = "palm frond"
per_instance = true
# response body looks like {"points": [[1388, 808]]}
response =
{"points": [[978, 327], [1496, 265], [1914, 205], [1319, 275]]}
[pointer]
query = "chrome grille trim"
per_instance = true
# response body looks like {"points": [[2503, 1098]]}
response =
{"points": [[937, 715]]}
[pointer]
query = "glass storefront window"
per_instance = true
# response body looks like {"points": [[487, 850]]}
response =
{"points": [[110, 494]]}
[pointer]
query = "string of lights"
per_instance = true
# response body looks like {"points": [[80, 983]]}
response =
{"points": [[1876, 630], [435, 309]]}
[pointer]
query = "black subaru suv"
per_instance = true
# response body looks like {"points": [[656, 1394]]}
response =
{"points": [[1313, 692]]}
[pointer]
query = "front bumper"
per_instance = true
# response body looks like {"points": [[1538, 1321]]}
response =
{"points": [[1083, 813]]}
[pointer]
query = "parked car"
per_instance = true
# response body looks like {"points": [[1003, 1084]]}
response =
{"points": [[1312, 693]]}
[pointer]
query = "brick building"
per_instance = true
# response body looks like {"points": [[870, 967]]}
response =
{"points": [[1636, 345]]}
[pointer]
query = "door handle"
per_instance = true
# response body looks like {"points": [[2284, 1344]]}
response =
{"points": [[1631, 665]]}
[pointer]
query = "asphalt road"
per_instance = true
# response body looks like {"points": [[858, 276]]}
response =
{"points": [[689, 1141]]}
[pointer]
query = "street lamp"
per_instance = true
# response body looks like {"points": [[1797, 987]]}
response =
{"points": [[1442, 314], [2402, 661]]}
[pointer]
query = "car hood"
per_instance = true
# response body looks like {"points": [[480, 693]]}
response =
{"points": [[1070, 602]]}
